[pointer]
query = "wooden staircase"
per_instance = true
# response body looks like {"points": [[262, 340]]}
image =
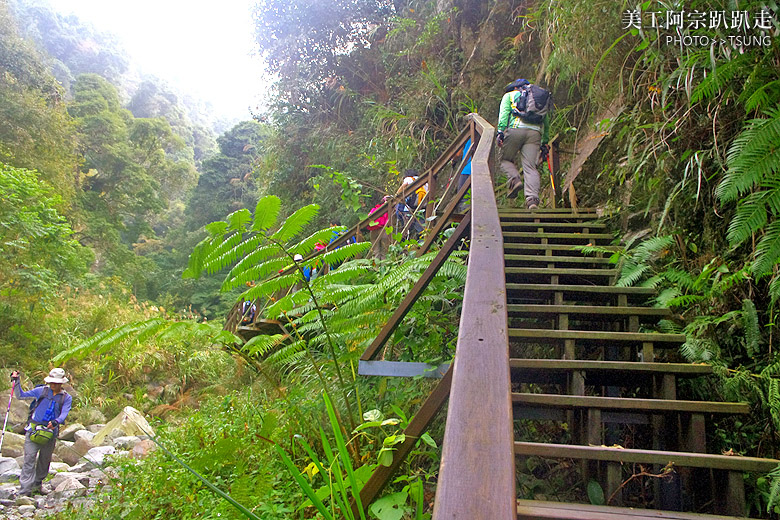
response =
{"points": [[583, 352]]}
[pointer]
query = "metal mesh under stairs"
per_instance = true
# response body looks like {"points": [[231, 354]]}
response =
{"points": [[583, 353]]}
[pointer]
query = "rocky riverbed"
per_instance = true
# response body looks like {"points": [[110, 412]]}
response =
{"points": [[81, 465]]}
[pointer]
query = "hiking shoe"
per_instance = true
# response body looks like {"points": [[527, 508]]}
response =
{"points": [[514, 188], [532, 204]]}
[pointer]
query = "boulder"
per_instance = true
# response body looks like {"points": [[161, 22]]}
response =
{"points": [[126, 442], [13, 445], [68, 433], [7, 491], [129, 421], [69, 488], [143, 449], [63, 450], [17, 418], [94, 428], [7, 464], [59, 478], [72, 455], [27, 510], [24, 501], [83, 434], [11, 475], [97, 456], [58, 467]]}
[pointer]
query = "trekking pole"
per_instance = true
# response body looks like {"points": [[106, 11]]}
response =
{"points": [[7, 412]]}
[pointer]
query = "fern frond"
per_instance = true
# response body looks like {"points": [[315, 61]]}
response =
{"points": [[198, 256], [753, 156], [721, 77], [322, 236], [263, 344], [767, 251], [271, 286], [255, 273], [751, 216], [667, 295], [266, 213], [699, 350], [681, 278], [288, 354], [631, 273], [647, 249], [218, 257], [752, 330], [216, 229], [453, 271], [108, 338], [345, 252], [774, 290], [238, 220], [295, 223], [685, 300]]}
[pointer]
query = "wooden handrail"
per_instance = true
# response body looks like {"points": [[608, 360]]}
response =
{"points": [[477, 472]]}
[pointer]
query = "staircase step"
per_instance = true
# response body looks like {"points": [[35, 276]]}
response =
{"points": [[546, 211], [579, 237], [565, 366], [599, 373], [604, 336], [556, 259], [518, 246], [561, 271], [621, 455], [544, 510], [626, 404], [591, 311], [552, 225]]}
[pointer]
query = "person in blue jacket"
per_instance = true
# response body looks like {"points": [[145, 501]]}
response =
{"points": [[51, 407]]}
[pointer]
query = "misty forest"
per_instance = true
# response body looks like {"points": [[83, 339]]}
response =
{"points": [[245, 334]]}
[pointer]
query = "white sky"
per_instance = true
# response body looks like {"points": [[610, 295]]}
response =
{"points": [[202, 47]]}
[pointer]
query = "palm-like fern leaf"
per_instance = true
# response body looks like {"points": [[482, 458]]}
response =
{"points": [[266, 213], [271, 286], [238, 220], [752, 330], [750, 217], [295, 223], [263, 344]]}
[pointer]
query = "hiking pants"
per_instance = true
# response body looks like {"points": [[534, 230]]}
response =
{"points": [[37, 458], [527, 142]]}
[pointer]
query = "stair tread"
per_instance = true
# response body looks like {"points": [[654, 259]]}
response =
{"points": [[552, 247], [560, 270], [561, 259], [566, 365], [654, 337], [588, 225], [628, 403], [552, 234], [612, 454], [580, 288], [540, 509], [542, 211], [587, 310]]}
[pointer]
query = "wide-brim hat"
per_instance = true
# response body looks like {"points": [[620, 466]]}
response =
{"points": [[57, 375]]}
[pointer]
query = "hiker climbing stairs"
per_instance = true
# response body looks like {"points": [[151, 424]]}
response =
{"points": [[583, 353]]}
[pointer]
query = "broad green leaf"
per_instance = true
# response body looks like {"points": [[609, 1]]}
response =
{"points": [[372, 415], [595, 493], [390, 507]]}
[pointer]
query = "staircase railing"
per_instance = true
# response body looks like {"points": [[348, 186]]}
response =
{"points": [[477, 472]]}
